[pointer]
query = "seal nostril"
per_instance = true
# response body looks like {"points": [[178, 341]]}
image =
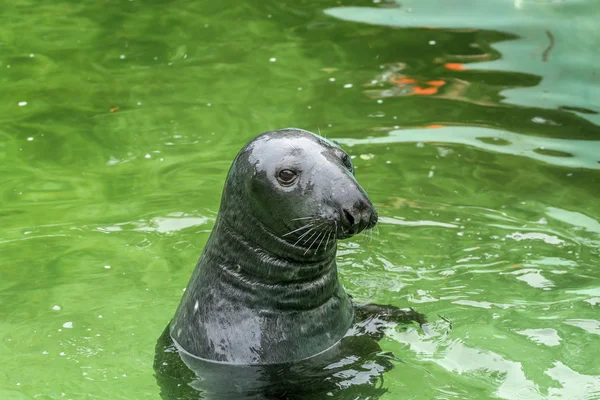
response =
{"points": [[349, 217]]}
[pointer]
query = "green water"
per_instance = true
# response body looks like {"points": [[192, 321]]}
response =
{"points": [[475, 130]]}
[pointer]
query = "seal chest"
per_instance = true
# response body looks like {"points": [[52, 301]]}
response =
{"points": [[265, 289]]}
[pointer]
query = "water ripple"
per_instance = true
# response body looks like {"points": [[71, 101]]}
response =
{"points": [[581, 153]]}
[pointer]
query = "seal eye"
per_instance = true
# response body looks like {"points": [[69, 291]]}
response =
{"points": [[286, 177], [347, 162]]}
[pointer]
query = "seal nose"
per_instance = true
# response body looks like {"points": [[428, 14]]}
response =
{"points": [[359, 217]]}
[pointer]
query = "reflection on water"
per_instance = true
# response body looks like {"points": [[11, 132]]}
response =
{"points": [[514, 383], [352, 369], [560, 152], [555, 40], [473, 125], [172, 223]]}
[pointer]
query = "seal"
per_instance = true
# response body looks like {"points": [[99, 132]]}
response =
{"points": [[266, 289]]}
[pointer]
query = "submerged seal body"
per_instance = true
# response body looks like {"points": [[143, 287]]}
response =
{"points": [[266, 290]]}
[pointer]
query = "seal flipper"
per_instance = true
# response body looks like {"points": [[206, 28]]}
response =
{"points": [[371, 319]]}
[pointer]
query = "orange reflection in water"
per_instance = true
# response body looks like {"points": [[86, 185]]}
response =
{"points": [[417, 88], [455, 66]]}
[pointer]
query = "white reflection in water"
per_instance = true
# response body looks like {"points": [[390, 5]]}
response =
{"points": [[533, 278], [167, 224], [459, 358], [589, 325], [173, 222], [547, 336], [550, 239], [584, 153], [574, 384], [401, 221], [481, 304]]}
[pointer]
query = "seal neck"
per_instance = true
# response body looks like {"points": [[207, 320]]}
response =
{"points": [[269, 258], [273, 273], [254, 232]]}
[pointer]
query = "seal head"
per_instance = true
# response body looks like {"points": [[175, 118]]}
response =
{"points": [[265, 289]]}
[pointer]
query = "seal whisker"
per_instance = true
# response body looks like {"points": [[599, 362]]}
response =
{"points": [[320, 242], [313, 242], [360, 237], [327, 240], [304, 234], [296, 219], [299, 229], [365, 237], [310, 237], [306, 240]]}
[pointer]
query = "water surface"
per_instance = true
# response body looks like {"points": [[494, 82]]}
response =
{"points": [[474, 129]]}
